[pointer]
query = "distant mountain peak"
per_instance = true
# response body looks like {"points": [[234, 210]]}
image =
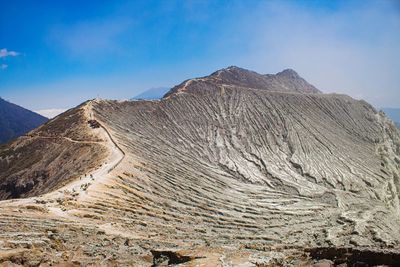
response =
{"points": [[236, 68], [285, 81], [151, 94], [231, 69], [289, 73]]}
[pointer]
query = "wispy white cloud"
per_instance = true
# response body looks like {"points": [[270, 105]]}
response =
{"points": [[5, 53], [3, 66]]}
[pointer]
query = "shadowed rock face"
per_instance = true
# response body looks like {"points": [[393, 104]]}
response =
{"points": [[219, 161], [355, 257], [16, 121]]}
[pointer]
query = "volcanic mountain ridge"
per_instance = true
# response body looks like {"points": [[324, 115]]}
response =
{"points": [[234, 167]]}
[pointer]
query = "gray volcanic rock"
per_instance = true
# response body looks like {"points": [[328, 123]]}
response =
{"points": [[218, 165], [285, 81], [316, 168]]}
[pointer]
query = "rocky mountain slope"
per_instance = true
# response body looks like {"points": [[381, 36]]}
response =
{"points": [[50, 156], [233, 168], [16, 121], [285, 81]]}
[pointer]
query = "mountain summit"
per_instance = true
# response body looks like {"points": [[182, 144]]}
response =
{"points": [[289, 73], [285, 81]]}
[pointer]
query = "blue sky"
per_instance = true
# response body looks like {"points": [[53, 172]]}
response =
{"points": [[56, 54]]}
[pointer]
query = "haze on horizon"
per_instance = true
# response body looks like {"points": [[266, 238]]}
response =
{"points": [[54, 55]]}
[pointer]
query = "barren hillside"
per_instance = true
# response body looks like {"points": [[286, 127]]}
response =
{"points": [[50, 156], [233, 168]]}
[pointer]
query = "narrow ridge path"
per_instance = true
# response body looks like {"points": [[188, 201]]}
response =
{"points": [[79, 188]]}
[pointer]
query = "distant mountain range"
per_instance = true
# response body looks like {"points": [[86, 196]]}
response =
{"points": [[394, 114], [16, 121], [152, 94]]}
